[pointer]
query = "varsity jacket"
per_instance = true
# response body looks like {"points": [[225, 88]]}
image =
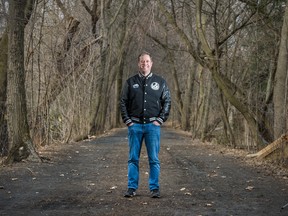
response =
{"points": [[145, 99]]}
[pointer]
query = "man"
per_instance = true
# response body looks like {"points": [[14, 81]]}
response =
{"points": [[145, 106]]}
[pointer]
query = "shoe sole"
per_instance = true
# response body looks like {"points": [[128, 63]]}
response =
{"points": [[155, 195], [129, 196]]}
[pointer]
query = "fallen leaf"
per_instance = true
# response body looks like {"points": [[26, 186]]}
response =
{"points": [[250, 188], [212, 175]]}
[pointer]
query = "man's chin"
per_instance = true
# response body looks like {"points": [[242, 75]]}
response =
{"points": [[145, 71]]}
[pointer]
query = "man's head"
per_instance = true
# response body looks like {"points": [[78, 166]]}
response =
{"points": [[145, 63]]}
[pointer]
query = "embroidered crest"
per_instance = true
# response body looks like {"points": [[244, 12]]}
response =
{"points": [[136, 86], [155, 86]]}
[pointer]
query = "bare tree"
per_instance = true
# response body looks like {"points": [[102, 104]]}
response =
{"points": [[3, 79], [280, 89], [206, 47], [71, 56], [3, 94], [21, 146], [214, 55]]}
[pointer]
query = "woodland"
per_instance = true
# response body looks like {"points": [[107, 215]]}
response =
{"points": [[63, 64]]}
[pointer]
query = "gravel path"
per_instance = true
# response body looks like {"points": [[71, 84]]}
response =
{"points": [[90, 177]]}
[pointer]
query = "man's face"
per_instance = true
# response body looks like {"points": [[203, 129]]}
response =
{"points": [[145, 64]]}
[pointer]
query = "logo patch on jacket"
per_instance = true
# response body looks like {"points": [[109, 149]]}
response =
{"points": [[155, 86], [136, 86]]}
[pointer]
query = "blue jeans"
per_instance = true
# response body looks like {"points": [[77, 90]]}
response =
{"points": [[151, 134]]}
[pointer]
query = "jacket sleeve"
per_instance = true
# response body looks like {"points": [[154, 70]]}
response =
{"points": [[165, 104], [124, 102]]}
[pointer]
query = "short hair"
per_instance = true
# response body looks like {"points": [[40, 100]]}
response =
{"points": [[144, 53]]}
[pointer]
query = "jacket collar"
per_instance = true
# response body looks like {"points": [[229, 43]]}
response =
{"points": [[143, 77]]}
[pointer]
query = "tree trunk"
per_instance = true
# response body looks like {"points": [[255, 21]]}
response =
{"points": [[20, 143], [3, 80], [177, 90], [280, 89], [3, 94], [105, 74], [227, 127], [118, 88], [187, 100], [206, 106], [125, 37]]}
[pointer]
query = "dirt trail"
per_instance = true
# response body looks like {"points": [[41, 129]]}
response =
{"points": [[89, 178]]}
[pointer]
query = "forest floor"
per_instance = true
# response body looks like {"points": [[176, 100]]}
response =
{"points": [[90, 178]]}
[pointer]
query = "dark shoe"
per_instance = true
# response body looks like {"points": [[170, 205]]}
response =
{"points": [[130, 192], [155, 193]]}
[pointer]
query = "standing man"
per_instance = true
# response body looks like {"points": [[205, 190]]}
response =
{"points": [[145, 105]]}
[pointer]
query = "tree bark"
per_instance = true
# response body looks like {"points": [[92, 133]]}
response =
{"points": [[280, 88], [187, 100], [3, 80], [20, 143], [206, 106], [98, 121], [177, 90], [3, 94]]}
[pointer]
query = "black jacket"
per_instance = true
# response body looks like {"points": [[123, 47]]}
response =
{"points": [[145, 99]]}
